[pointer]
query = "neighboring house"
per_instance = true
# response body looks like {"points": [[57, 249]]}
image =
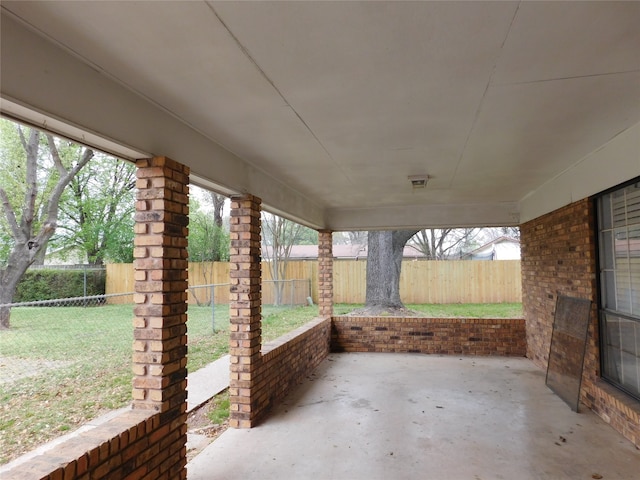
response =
{"points": [[502, 248]]}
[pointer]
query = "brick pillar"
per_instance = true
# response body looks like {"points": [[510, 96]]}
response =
{"points": [[244, 310], [325, 273], [160, 253]]}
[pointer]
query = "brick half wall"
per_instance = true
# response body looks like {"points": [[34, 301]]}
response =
{"points": [[449, 336], [130, 444], [292, 357], [286, 362]]}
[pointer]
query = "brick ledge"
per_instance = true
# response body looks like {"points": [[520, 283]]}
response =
{"points": [[63, 451], [625, 399]]}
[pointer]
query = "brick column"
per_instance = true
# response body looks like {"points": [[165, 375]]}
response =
{"points": [[325, 273], [160, 253], [244, 310]]}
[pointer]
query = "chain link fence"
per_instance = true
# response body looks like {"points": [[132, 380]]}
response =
{"points": [[277, 293], [63, 329], [64, 361]]}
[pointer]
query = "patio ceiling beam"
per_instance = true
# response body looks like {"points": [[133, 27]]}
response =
{"points": [[419, 216]]}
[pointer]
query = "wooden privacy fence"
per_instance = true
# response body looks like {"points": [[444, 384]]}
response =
{"points": [[459, 281], [300, 283], [454, 281]]}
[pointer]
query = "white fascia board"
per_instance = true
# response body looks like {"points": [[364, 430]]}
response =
{"points": [[613, 163], [423, 216], [45, 86]]}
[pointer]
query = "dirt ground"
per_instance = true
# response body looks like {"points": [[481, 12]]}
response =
{"points": [[13, 369], [199, 425]]}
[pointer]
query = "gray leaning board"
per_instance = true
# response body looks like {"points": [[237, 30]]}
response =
{"points": [[566, 352]]}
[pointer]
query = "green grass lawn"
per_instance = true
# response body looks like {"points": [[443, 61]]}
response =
{"points": [[78, 362], [61, 367]]}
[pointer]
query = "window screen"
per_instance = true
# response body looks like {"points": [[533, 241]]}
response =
{"points": [[619, 266]]}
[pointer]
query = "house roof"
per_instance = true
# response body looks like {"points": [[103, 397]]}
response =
{"points": [[352, 252], [324, 109]]}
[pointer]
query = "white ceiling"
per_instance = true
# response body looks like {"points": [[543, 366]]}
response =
{"points": [[325, 108]]}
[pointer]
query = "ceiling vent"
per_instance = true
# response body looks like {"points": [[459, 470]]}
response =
{"points": [[418, 181]]}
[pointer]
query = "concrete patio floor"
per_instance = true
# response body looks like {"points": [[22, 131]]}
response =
{"points": [[408, 416]]}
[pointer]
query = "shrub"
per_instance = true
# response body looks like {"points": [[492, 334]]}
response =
{"points": [[49, 284]]}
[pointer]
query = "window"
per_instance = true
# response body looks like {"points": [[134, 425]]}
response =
{"points": [[619, 267]]}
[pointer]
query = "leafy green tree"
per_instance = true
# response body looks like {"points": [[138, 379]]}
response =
{"points": [[307, 236], [96, 211], [208, 241], [34, 176]]}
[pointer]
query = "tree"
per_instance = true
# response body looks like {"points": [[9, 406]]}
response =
{"points": [[350, 238], [217, 200], [96, 211], [307, 236], [384, 262], [208, 239], [497, 232], [30, 198], [279, 236], [444, 243]]}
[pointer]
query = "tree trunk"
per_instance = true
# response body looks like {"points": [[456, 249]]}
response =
{"points": [[19, 261], [6, 296], [384, 261], [40, 256], [218, 205], [27, 241]]}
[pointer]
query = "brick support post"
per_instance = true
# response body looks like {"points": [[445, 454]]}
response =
{"points": [[160, 266], [325, 273], [244, 310]]}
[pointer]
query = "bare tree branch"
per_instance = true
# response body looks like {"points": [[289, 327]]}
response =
{"points": [[9, 213], [57, 161], [50, 221], [440, 244], [31, 192], [22, 139]]}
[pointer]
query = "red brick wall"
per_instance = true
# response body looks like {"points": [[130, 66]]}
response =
{"points": [[325, 273], [160, 331], [559, 258], [259, 377], [290, 359], [460, 336], [245, 337], [282, 365], [134, 445]]}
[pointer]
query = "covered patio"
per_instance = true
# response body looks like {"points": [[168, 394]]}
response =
{"points": [[367, 116], [377, 416]]}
